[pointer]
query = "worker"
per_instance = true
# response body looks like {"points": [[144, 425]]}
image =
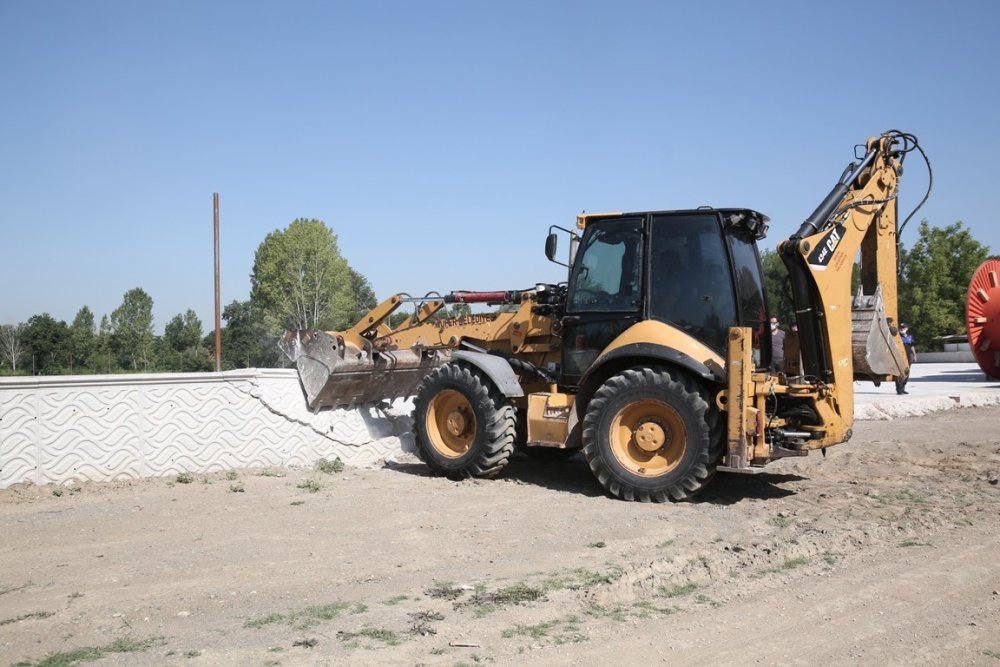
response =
{"points": [[777, 346], [910, 347]]}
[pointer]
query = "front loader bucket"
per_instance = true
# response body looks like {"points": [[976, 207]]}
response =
{"points": [[336, 373]]}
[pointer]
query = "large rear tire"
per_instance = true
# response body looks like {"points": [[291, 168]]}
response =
{"points": [[647, 438], [464, 425]]}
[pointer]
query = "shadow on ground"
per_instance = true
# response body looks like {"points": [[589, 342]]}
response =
{"points": [[572, 475]]}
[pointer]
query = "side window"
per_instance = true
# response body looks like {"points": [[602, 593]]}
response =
{"points": [[607, 273], [690, 285], [750, 287]]}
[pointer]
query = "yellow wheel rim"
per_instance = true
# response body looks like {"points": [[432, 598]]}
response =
{"points": [[648, 438], [451, 423]]}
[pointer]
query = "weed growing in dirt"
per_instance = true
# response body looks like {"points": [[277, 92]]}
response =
{"points": [[646, 609], [295, 503], [271, 472], [90, 653], [231, 475], [58, 491], [581, 579], [444, 590], [677, 591], [483, 602], [303, 619], [781, 521], [237, 488], [25, 617], [330, 467], [310, 485], [991, 653], [913, 543], [422, 622], [395, 600], [387, 637], [185, 478], [559, 631], [829, 558], [597, 545], [359, 608]]}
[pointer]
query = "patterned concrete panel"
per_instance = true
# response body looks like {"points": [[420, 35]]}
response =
{"points": [[61, 429]]}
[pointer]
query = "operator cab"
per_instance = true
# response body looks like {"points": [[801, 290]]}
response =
{"points": [[697, 270]]}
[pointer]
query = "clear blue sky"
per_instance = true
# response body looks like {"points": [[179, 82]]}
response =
{"points": [[439, 140]]}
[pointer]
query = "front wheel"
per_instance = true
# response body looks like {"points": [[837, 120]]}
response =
{"points": [[646, 437], [464, 425]]}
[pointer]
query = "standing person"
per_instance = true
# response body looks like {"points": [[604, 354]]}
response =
{"points": [[910, 347], [777, 346]]}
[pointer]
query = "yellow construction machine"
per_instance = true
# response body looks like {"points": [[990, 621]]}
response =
{"points": [[654, 357]]}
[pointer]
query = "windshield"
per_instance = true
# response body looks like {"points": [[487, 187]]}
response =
{"points": [[606, 276]]}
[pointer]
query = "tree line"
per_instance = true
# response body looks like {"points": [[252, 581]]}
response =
{"points": [[300, 280]]}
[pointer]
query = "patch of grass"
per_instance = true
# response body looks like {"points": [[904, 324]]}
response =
{"points": [[25, 617], [444, 590], [295, 503], [829, 558], [536, 631], [303, 619], [91, 653], [231, 475], [581, 579], [991, 653], [677, 591], [359, 608], [310, 485], [781, 521], [330, 467], [422, 622], [237, 488], [618, 613], [185, 478], [395, 600], [387, 637], [646, 609], [306, 642], [597, 545], [665, 543], [192, 654], [913, 543], [58, 491], [271, 472]]}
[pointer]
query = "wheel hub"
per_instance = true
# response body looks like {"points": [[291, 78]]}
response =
{"points": [[456, 422], [650, 436]]}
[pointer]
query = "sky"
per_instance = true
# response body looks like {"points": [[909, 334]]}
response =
{"points": [[440, 140]]}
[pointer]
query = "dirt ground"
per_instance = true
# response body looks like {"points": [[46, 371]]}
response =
{"points": [[886, 551]]}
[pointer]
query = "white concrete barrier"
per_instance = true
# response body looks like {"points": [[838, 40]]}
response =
{"points": [[60, 429]]}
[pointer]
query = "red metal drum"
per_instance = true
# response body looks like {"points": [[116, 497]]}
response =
{"points": [[982, 317]]}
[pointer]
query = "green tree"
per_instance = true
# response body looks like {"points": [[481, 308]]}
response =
{"points": [[364, 295], [246, 342], [934, 280], [132, 324], [300, 280], [181, 347], [103, 361], [779, 300], [47, 344], [83, 340]]}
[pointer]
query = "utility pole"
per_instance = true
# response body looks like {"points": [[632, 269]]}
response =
{"points": [[218, 316]]}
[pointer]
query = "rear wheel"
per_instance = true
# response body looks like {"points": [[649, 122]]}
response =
{"points": [[464, 425], [646, 437]]}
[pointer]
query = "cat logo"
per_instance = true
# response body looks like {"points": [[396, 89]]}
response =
{"points": [[820, 257]]}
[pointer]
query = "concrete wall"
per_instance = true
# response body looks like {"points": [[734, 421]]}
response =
{"points": [[105, 427]]}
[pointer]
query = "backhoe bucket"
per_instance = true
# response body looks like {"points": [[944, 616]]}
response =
{"points": [[337, 374], [874, 351]]}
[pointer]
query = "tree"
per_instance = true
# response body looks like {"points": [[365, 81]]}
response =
{"points": [[181, 347], [364, 295], [246, 342], [132, 326], [104, 358], [83, 339], [47, 341], [779, 299], [300, 280], [934, 279], [11, 343]]}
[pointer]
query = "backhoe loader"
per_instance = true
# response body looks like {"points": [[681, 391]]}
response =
{"points": [[654, 357]]}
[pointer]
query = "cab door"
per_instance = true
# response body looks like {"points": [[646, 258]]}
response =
{"points": [[605, 292]]}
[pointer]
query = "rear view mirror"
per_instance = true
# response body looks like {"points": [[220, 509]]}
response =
{"points": [[551, 243]]}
